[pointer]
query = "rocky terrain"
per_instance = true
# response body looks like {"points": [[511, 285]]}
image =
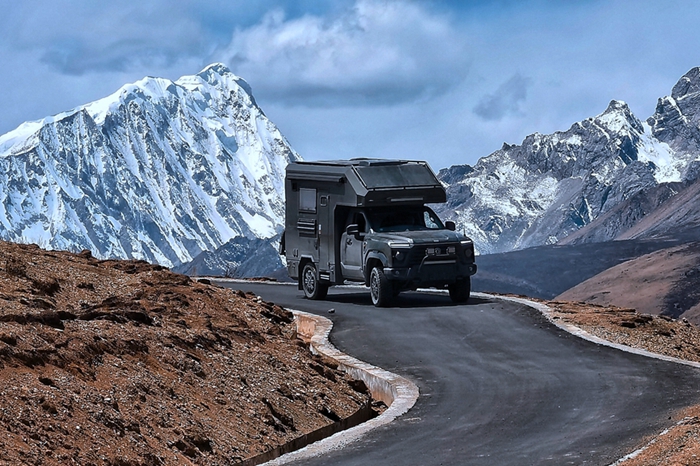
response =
{"points": [[612, 169], [109, 362]]}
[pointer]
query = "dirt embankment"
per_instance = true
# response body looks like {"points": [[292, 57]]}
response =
{"points": [[664, 282], [126, 363]]}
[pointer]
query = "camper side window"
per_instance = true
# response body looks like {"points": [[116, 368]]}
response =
{"points": [[307, 200]]}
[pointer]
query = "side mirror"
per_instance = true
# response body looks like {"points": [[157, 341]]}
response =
{"points": [[353, 230], [450, 225]]}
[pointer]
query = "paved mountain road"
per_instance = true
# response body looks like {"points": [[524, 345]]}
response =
{"points": [[499, 385]]}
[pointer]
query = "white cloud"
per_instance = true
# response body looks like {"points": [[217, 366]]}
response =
{"points": [[76, 38], [384, 78], [374, 53]]}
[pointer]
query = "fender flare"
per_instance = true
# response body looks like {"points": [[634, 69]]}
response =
{"points": [[374, 255]]}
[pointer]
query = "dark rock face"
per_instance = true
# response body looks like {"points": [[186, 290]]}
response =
{"points": [[625, 215], [159, 171], [551, 186], [676, 120], [239, 258], [454, 173]]}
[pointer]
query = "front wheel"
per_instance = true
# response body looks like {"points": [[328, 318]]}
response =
{"points": [[313, 289], [460, 290], [379, 288]]}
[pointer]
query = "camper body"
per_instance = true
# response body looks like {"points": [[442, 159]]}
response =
{"points": [[366, 220]]}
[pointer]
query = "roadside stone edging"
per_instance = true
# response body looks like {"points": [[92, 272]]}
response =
{"points": [[398, 393], [579, 332]]}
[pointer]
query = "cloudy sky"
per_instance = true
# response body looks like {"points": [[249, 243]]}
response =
{"points": [[444, 81]]}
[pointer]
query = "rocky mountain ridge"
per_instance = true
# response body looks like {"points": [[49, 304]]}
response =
{"points": [[550, 186], [159, 170]]}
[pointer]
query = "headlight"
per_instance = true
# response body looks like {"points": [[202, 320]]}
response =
{"points": [[468, 247], [399, 250]]}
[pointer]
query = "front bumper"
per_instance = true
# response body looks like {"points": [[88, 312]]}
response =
{"points": [[429, 274]]}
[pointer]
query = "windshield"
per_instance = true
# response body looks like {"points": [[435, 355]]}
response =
{"points": [[385, 219]]}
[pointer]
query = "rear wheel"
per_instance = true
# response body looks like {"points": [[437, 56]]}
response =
{"points": [[313, 289], [379, 288], [460, 290]]}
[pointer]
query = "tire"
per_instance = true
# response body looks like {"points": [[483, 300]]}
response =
{"points": [[460, 290], [379, 288], [313, 289]]}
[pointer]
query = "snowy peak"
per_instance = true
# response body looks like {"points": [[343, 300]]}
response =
{"points": [[676, 122], [215, 69], [550, 186], [611, 139], [159, 170], [619, 118]]}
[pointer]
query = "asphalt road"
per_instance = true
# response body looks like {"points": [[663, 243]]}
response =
{"points": [[499, 384]]}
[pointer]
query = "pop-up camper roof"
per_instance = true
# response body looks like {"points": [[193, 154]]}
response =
{"points": [[375, 181]]}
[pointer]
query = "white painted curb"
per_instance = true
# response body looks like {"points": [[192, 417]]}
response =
{"points": [[398, 393], [579, 332]]}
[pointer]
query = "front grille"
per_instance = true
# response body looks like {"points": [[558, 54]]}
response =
{"points": [[435, 252], [415, 256]]}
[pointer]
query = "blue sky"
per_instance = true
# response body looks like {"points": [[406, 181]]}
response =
{"points": [[443, 81]]}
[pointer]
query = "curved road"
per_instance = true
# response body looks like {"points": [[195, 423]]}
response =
{"points": [[499, 385]]}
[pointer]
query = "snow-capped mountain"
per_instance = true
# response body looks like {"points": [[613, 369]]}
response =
{"points": [[159, 170], [676, 122], [550, 186]]}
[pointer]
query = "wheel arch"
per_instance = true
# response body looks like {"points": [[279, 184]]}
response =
{"points": [[302, 263], [373, 259]]}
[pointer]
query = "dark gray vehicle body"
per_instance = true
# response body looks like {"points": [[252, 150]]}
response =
{"points": [[348, 217]]}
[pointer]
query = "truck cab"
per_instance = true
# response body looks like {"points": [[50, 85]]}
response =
{"points": [[366, 220]]}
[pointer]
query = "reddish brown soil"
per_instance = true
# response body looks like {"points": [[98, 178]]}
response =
{"points": [[663, 282], [126, 363]]}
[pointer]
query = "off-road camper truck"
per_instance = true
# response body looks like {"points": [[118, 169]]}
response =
{"points": [[366, 220]]}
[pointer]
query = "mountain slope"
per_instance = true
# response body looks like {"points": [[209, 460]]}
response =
{"points": [[551, 186], [549, 270], [664, 282], [159, 170], [669, 210], [240, 257]]}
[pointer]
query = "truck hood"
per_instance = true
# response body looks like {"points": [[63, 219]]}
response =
{"points": [[420, 236]]}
